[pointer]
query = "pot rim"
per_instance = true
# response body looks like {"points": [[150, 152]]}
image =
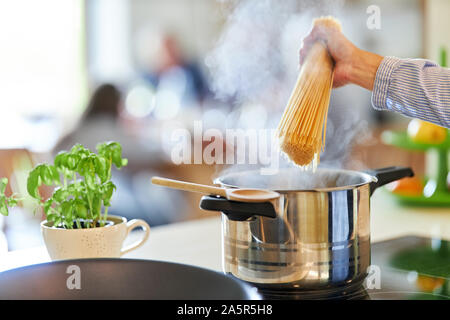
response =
{"points": [[44, 225], [366, 176]]}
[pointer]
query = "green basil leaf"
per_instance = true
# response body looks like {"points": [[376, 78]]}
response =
{"points": [[69, 214], [11, 202], [66, 209], [3, 207], [55, 175], [90, 182], [57, 221], [80, 151], [73, 189], [86, 166], [49, 175], [102, 169], [47, 205], [117, 157], [65, 206], [3, 184], [107, 192], [80, 209], [60, 160], [60, 194], [102, 149], [96, 207], [72, 161], [33, 183]]}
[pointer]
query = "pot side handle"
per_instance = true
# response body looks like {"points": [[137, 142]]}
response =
{"points": [[236, 210], [387, 175]]}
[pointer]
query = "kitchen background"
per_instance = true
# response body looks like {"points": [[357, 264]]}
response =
{"points": [[133, 70]]}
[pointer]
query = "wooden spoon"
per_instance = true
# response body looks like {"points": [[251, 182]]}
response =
{"points": [[244, 194]]}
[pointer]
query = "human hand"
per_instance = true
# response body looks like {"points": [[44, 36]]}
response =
{"points": [[352, 65]]}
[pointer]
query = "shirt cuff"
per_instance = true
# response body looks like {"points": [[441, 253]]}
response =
{"points": [[382, 81]]}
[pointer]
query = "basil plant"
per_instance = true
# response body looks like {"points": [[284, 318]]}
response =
{"points": [[83, 186]]}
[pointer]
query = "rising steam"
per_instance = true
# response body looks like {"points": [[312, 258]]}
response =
{"points": [[256, 60]]}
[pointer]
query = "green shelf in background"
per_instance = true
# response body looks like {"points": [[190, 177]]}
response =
{"points": [[438, 199], [441, 196], [401, 140]]}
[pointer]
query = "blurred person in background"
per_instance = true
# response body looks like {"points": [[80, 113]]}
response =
{"points": [[167, 68], [101, 122], [135, 197]]}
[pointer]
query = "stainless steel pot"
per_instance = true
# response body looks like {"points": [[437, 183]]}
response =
{"points": [[316, 236]]}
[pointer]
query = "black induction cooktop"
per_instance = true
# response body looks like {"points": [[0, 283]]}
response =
{"points": [[407, 268]]}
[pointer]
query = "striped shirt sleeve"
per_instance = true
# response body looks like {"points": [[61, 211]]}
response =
{"points": [[416, 88]]}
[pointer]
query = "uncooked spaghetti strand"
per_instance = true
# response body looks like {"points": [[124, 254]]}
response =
{"points": [[302, 128], [300, 91], [310, 86], [303, 111], [319, 129], [292, 112], [326, 117], [311, 119], [291, 104]]}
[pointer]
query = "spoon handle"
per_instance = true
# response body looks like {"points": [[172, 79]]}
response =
{"points": [[189, 186]]}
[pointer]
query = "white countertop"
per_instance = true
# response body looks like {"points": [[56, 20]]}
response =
{"points": [[198, 242]]}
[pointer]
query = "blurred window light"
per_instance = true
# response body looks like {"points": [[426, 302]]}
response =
{"points": [[109, 55], [42, 61], [140, 101], [167, 104]]}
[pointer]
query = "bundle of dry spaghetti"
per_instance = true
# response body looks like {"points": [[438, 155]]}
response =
{"points": [[302, 128]]}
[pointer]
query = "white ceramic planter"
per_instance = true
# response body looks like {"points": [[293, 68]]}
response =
{"points": [[103, 242]]}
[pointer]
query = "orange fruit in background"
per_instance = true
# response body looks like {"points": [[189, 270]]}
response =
{"points": [[429, 284], [426, 132], [412, 186]]}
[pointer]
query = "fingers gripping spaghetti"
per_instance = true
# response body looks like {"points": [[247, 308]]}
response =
{"points": [[302, 128]]}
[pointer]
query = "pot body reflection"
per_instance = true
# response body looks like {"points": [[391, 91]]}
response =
{"points": [[316, 236], [318, 239]]}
